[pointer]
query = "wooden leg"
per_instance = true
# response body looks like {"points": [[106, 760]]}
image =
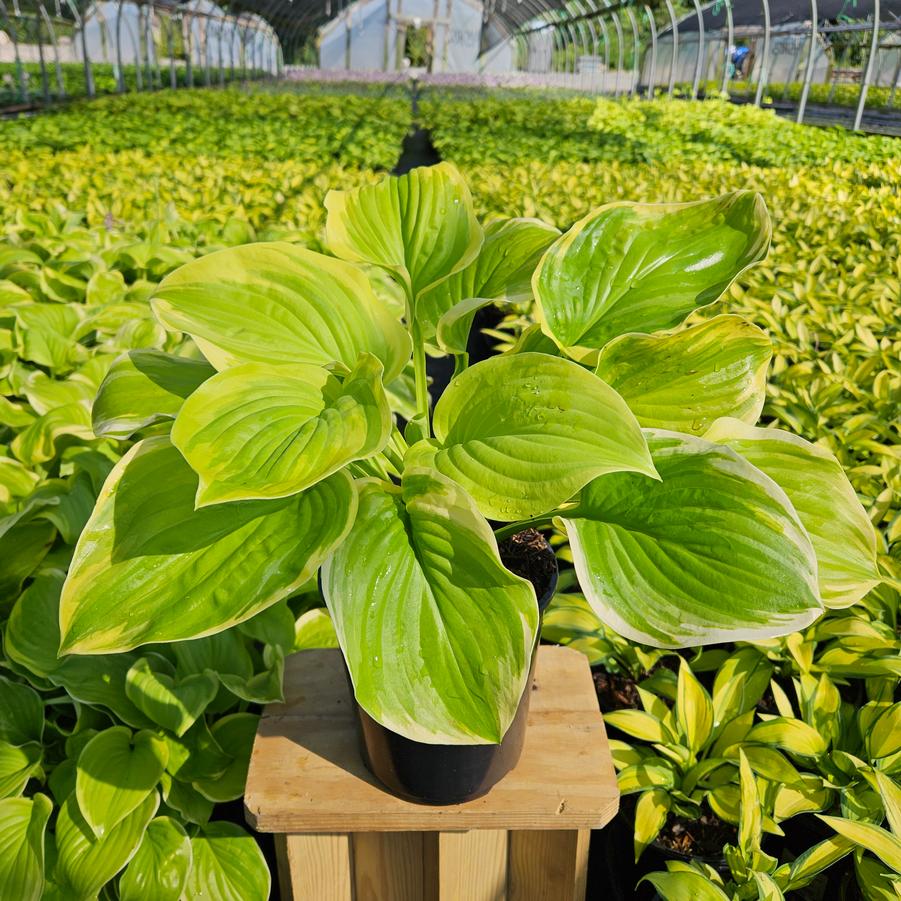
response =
{"points": [[314, 866], [547, 865], [388, 866], [466, 866]]}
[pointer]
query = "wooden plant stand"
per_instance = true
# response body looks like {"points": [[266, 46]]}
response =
{"points": [[341, 836]]}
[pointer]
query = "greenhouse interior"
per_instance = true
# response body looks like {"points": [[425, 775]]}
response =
{"points": [[450, 450]]}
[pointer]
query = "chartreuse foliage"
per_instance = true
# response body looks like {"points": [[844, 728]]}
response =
{"points": [[752, 873], [815, 752], [287, 458], [586, 298], [826, 296], [90, 744]]}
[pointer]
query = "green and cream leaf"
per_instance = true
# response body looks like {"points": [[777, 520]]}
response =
{"points": [[190, 572], [437, 634], [257, 432], [420, 226], [843, 537], [522, 433], [502, 271], [629, 267], [684, 381], [143, 387], [280, 303], [712, 552]]}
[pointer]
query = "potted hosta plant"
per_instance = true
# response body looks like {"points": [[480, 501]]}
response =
{"points": [[277, 455]]}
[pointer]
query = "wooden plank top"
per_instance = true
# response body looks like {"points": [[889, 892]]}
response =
{"points": [[307, 776]]}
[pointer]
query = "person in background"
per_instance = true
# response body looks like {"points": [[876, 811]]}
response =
{"points": [[739, 58]]}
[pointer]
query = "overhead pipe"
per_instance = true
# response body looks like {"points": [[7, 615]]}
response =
{"points": [[153, 56], [765, 61], [599, 32], [674, 58], [585, 27], [635, 72], [591, 25], [619, 48], [170, 50], [811, 54], [699, 59], [730, 40], [652, 71], [207, 77], [568, 37], [575, 33], [868, 71], [120, 72], [51, 31], [231, 49], [14, 36], [606, 33], [187, 37], [221, 58], [136, 46], [45, 78], [86, 58]]}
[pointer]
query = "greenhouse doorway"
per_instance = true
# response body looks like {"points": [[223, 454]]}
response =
{"points": [[417, 43]]}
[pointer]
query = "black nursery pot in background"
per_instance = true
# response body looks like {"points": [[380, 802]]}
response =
{"points": [[452, 774]]}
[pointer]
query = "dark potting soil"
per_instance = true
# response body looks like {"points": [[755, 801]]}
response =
{"points": [[704, 837], [767, 704], [525, 554], [618, 692], [615, 692]]}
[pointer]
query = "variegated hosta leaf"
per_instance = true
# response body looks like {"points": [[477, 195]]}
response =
{"points": [[280, 303], [503, 269], [522, 433], [150, 568], [816, 859], [685, 885], [630, 267], [650, 814], [885, 845], [437, 634], [713, 552], [841, 532], [420, 225], [685, 381], [143, 387], [259, 431], [694, 709]]}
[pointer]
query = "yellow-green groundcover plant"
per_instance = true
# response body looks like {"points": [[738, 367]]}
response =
{"points": [[687, 523]]}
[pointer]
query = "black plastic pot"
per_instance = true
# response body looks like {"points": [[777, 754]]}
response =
{"points": [[447, 774]]}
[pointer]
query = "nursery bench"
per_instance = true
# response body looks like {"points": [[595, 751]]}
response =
{"points": [[341, 836]]}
